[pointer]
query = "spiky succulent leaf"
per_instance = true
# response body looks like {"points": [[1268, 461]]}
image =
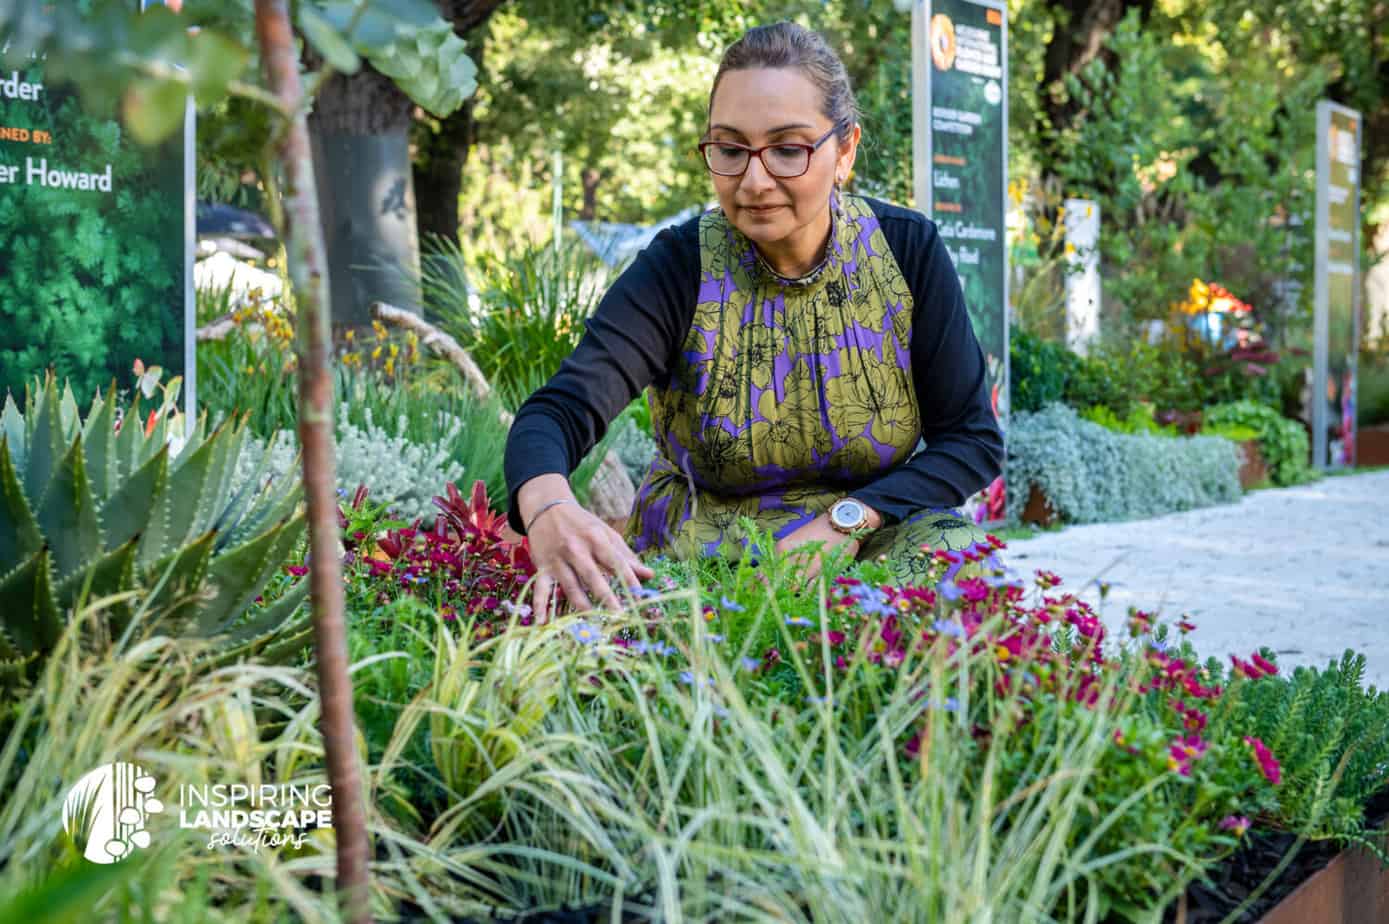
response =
{"points": [[19, 531], [176, 580], [45, 440], [220, 486], [69, 417], [188, 487], [12, 428], [67, 515], [99, 439], [109, 574], [126, 514], [240, 574], [276, 503], [130, 440], [273, 617], [27, 608]]}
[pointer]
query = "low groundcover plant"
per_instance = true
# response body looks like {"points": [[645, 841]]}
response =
{"points": [[988, 726]]}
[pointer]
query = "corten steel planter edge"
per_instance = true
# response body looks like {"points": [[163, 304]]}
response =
{"points": [[1252, 469], [1038, 508], [1352, 889], [1372, 445]]}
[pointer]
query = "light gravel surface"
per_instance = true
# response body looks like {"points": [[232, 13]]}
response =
{"points": [[1303, 570]]}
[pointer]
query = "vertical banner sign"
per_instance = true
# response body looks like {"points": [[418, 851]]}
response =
{"points": [[960, 167], [1336, 322], [96, 241]]}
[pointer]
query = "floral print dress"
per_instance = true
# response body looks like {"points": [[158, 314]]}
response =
{"points": [[787, 395]]}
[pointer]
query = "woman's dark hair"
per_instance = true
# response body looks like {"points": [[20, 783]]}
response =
{"points": [[789, 45]]}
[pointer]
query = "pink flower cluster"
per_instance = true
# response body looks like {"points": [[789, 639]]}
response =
{"points": [[1257, 666]]}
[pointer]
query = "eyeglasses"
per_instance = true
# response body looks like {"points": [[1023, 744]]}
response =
{"points": [[783, 161]]}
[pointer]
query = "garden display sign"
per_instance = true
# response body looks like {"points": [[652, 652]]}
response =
{"points": [[1336, 321], [960, 166], [96, 240]]}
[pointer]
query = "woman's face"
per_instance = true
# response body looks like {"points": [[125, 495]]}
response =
{"points": [[748, 107]]}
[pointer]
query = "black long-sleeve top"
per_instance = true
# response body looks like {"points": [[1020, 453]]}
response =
{"points": [[635, 335]]}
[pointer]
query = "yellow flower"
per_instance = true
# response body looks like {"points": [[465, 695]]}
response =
{"points": [[380, 330], [390, 365], [376, 354], [351, 334]]}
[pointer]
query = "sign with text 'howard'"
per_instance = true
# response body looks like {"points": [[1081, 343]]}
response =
{"points": [[960, 163], [95, 241]]}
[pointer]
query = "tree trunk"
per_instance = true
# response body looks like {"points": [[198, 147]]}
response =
{"points": [[592, 179], [361, 147], [307, 265], [442, 154], [1082, 26]]}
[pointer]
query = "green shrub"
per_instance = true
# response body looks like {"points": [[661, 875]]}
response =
{"points": [[1139, 420], [1282, 442], [1372, 383], [1092, 475], [1038, 370], [89, 510], [531, 309], [1331, 735]]}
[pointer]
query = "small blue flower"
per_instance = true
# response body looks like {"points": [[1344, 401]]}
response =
{"points": [[585, 633], [645, 593], [687, 677], [951, 704], [798, 621], [750, 664], [948, 590], [730, 605], [874, 602], [1158, 645], [715, 637], [948, 627], [817, 700]]}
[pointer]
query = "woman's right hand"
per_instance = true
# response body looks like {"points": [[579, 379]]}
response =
{"points": [[574, 549]]}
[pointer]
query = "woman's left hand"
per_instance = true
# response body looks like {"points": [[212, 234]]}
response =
{"points": [[820, 530]]}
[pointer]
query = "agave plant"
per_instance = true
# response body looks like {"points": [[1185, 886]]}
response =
{"points": [[96, 507]]}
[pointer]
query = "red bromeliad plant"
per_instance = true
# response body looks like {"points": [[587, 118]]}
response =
{"points": [[461, 564]]}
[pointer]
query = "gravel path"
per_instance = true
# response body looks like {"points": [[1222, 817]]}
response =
{"points": [[1302, 570]]}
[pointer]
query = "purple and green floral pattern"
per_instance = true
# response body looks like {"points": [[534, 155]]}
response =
{"points": [[788, 394]]}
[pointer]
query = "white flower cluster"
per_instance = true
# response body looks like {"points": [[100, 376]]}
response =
{"points": [[1090, 474]]}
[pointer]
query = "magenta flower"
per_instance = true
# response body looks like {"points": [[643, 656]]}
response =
{"points": [[1236, 823], [1267, 762]]}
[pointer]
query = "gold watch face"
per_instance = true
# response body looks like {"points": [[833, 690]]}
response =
{"points": [[848, 515]]}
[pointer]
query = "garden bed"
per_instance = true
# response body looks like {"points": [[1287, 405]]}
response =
{"points": [[1320, 883]]}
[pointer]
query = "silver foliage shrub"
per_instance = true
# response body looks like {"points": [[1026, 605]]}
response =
{"points": [[634, 447], [404, 475], [1093, 475]]}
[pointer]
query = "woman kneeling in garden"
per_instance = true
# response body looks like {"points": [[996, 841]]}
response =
{"points": [[798, 343]]}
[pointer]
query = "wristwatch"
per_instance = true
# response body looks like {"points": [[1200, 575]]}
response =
{"points": [[848, 515]]}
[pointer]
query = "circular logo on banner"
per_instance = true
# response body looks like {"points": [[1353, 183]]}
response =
{"points": [[105, 812], [942, 42], [993, 93]]}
